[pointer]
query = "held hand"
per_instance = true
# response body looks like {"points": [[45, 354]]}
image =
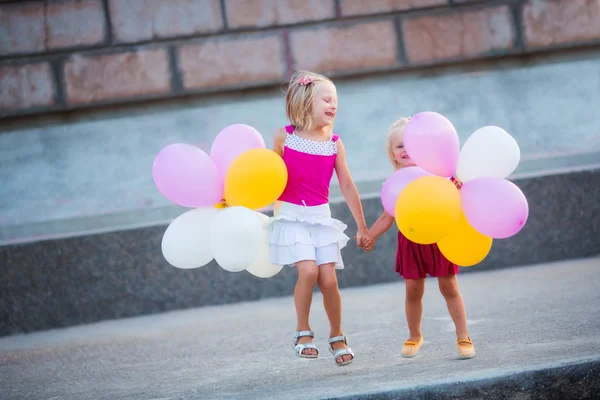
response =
{"points": [[368, 245], [359, 237], [364, 238]]}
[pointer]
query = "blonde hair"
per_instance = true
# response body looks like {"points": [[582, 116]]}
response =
{"points": [[397, 128], [299, 98]]}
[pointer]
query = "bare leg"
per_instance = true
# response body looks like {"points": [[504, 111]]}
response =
{"points": [[308, 274], [415, 288], [456, 306], [332, 301]]}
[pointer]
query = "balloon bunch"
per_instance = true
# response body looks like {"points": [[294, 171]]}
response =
{"points": [[225, 188], [456, 198]]}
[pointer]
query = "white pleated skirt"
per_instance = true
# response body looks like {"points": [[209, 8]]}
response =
{"points": [[298, 233]]}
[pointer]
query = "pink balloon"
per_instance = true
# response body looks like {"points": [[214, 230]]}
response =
{"points": [[233, 141], [187, 176], [494, 206], [396, 183], [432, 143]]}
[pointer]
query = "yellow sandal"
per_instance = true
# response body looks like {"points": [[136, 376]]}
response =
{"points": [[465, 348], [411, 349]]}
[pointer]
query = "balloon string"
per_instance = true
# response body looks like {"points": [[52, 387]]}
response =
{"points": [[456, 182]]}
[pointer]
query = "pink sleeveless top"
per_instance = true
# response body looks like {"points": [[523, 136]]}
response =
{"points": [[310, 166]]}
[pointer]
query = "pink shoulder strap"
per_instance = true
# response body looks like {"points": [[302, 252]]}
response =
{"points": [[335, 138], [289, 129]]}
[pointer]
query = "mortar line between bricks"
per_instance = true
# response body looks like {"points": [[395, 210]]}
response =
{"points": [[516, 10], [287, 48], [176, 78], [401, 48], [108, 34], [46, 26], [58, 74], [456, 9], [223, 7], [337, 8], [21, 1], [454, 5]]}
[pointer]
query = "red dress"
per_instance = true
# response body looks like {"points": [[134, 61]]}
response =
{"points": [[415, 261]]}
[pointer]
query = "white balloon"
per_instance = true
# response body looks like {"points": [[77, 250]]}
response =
{"points": [[262, 267], [489, 152], [186, 242], [235, 238]]}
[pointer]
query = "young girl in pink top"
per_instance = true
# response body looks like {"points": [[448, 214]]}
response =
{"points": [[302, 232], [415, 261]]}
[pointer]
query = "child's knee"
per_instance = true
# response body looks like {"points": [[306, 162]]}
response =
{"points": [[308, 275], [449, 289], [328, 282], [415, 289], [414, 294]]}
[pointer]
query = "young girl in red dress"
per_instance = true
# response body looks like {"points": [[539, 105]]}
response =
{"points": [[414, 261]]}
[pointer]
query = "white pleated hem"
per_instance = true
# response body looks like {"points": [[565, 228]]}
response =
{"points": [[298, 233]]}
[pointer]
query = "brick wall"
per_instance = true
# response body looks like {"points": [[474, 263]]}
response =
{"points": [[65, 54]]}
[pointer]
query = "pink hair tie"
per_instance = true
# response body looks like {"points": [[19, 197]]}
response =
{"points": [[304, 80]]}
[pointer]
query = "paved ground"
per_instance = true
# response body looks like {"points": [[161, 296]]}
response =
{"points": [[520, 319]]}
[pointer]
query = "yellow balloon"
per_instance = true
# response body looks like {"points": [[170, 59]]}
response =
{"points": [[427, 209], [255, 179], [465, 246]]}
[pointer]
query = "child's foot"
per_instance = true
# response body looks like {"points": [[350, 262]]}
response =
{"points": [[340, 350], [342, 359], [303, 344], [411, 347], [307, 351], [465, 348]]}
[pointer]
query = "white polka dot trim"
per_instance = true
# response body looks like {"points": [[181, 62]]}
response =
{"points": [[308, 146]]}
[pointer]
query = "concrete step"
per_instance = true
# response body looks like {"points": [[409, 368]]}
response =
{"points": [[575, 379], [536, 332]]}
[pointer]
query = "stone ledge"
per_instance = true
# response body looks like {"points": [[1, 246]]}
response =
{"points": [[12, 234], [90, 278]]}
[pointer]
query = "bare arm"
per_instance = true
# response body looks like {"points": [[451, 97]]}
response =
{"points": [[350, 193], [380, 226], [383, 223], [279, 141]]}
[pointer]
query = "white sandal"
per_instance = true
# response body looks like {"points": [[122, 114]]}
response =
{"points": [[340, 352], [300, 347]]}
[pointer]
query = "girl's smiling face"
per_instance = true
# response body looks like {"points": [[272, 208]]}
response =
{"points": [[324, 106], [399, 151]]}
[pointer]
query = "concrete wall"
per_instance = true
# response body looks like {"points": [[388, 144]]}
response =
{"points": [[92, 172], [478, 62], [67, 54]]}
